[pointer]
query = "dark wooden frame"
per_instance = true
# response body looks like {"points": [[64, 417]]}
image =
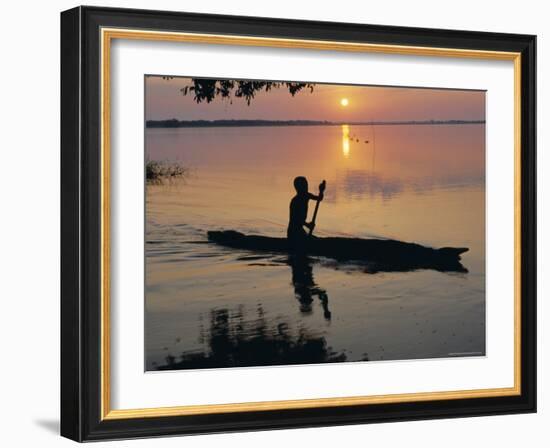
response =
{"points": [[81, 226]]}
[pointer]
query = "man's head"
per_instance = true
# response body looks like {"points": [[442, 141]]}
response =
{"points": [[300, 183]]}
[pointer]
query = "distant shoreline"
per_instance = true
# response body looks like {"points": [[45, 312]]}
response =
{"points": [[173, 123]]}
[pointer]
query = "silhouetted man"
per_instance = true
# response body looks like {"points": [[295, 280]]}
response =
{"points": [[297, 236]]}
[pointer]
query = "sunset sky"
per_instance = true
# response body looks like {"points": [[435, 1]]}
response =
{"points": [[330, 102]]}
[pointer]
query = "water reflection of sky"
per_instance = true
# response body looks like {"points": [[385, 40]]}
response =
{"points": [[368, 182], [422, 184], [360, 184], [356, 160]]}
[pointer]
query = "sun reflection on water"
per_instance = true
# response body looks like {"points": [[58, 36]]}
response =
{"points": [[345, 140]]}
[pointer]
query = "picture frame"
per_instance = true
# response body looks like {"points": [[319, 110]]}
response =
{"points": [[86, 37]]}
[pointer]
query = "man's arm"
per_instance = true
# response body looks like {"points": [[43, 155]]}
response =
{"points": [[313, 197]]}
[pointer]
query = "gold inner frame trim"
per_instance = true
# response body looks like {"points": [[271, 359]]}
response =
{"points": [[107, 35]]}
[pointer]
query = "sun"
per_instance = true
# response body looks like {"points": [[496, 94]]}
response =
{"points": [[344, 102]]}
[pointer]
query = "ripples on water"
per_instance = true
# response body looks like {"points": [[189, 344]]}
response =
{"points": [[207, 306]]}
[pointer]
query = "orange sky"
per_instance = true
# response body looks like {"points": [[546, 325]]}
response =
{"points": [[164, 101]]}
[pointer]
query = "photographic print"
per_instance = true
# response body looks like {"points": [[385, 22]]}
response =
{"points": [[253, 201], [303, 223]]}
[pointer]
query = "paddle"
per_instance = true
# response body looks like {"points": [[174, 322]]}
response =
{"points": [[322, 187]]}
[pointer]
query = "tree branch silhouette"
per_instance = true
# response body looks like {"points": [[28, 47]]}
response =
{"points": [[207, 90]]}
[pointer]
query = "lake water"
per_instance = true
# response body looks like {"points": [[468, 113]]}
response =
{"points": [[208, 306]]}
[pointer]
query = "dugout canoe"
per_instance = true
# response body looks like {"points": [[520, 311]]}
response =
{"points": [[386, 254]]}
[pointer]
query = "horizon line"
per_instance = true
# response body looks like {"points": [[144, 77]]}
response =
{"points": [[173, 122]]}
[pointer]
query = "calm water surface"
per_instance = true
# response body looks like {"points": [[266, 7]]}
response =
{"points": [[207, 306]]}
